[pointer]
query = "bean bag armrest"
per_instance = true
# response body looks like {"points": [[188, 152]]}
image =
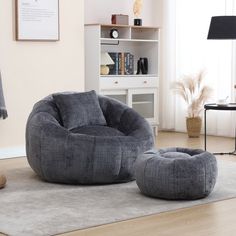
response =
{"points": [[125, 119], [112, 110], [46, 105], [44, 122], [39, 124], [132, 124]]}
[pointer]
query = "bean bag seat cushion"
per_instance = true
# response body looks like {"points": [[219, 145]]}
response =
{"points": [[176, 173], [85, 138]]}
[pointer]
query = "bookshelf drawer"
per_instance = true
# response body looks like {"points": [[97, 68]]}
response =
{"points": [[108, 82]]}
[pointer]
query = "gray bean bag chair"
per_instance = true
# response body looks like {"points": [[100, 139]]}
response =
{"points": [[82, 138], [176, 173]]}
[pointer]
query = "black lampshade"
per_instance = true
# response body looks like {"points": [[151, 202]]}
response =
{"points": [[222, 27]]}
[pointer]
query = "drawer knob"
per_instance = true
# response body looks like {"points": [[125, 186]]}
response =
{"points": [[145, 81], [116, 82]]}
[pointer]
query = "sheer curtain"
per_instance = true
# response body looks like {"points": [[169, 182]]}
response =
{"points": [[191, 52]]}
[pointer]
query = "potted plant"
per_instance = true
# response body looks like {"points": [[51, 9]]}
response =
{"points": [[195, 94]]}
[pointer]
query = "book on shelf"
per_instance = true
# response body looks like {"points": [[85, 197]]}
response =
{"points": [[123, 63], [128, 64], [114, 69]]}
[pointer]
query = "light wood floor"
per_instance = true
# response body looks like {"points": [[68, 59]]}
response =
{"points": [[214, 219]]}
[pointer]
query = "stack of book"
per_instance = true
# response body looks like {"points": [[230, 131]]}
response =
{"points": [[123, 63]]}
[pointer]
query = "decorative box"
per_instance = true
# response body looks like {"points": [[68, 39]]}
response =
{"points": [[120, 19]]}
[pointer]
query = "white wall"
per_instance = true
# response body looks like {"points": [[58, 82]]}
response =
{"points": [[100, 11], [32, 70]]}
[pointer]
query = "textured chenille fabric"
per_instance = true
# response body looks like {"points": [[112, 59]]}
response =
{"points": [[90, 154], [97, 130], [176, 173], [3, 110], [79, 109]]}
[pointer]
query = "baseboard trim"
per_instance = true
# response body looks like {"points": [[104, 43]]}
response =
{"points": [[12, 152]]}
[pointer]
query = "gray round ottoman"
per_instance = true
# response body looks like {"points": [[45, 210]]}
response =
{"points": [[176, 173]]}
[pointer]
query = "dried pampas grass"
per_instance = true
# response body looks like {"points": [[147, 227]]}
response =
{"points": [[192, 91]]}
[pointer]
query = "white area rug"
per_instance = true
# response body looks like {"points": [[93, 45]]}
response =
{"points": [[32, 207]]}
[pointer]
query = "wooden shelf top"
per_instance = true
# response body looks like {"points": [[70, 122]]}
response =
{"points": [[123, 26]]}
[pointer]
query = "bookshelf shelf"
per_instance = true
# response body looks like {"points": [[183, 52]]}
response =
{"points": [[127, 76], [143, 102], [139, 91], [129, 40]]}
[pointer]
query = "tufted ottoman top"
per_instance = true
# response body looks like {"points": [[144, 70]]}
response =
{"points": [[176, 173]]}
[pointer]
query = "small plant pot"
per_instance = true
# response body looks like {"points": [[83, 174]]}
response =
{"points": [[138, 22], [194, 125]]}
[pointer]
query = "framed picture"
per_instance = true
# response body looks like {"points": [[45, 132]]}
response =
{"points": [[37, 20]]}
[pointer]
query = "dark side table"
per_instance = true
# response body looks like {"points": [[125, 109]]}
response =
{"points": [[213, 106]]}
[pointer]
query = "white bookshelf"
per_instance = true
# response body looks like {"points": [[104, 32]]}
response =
{"points": [[138, 91]]}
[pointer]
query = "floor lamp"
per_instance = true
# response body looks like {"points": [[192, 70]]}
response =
{"points": [[223, 27]]}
